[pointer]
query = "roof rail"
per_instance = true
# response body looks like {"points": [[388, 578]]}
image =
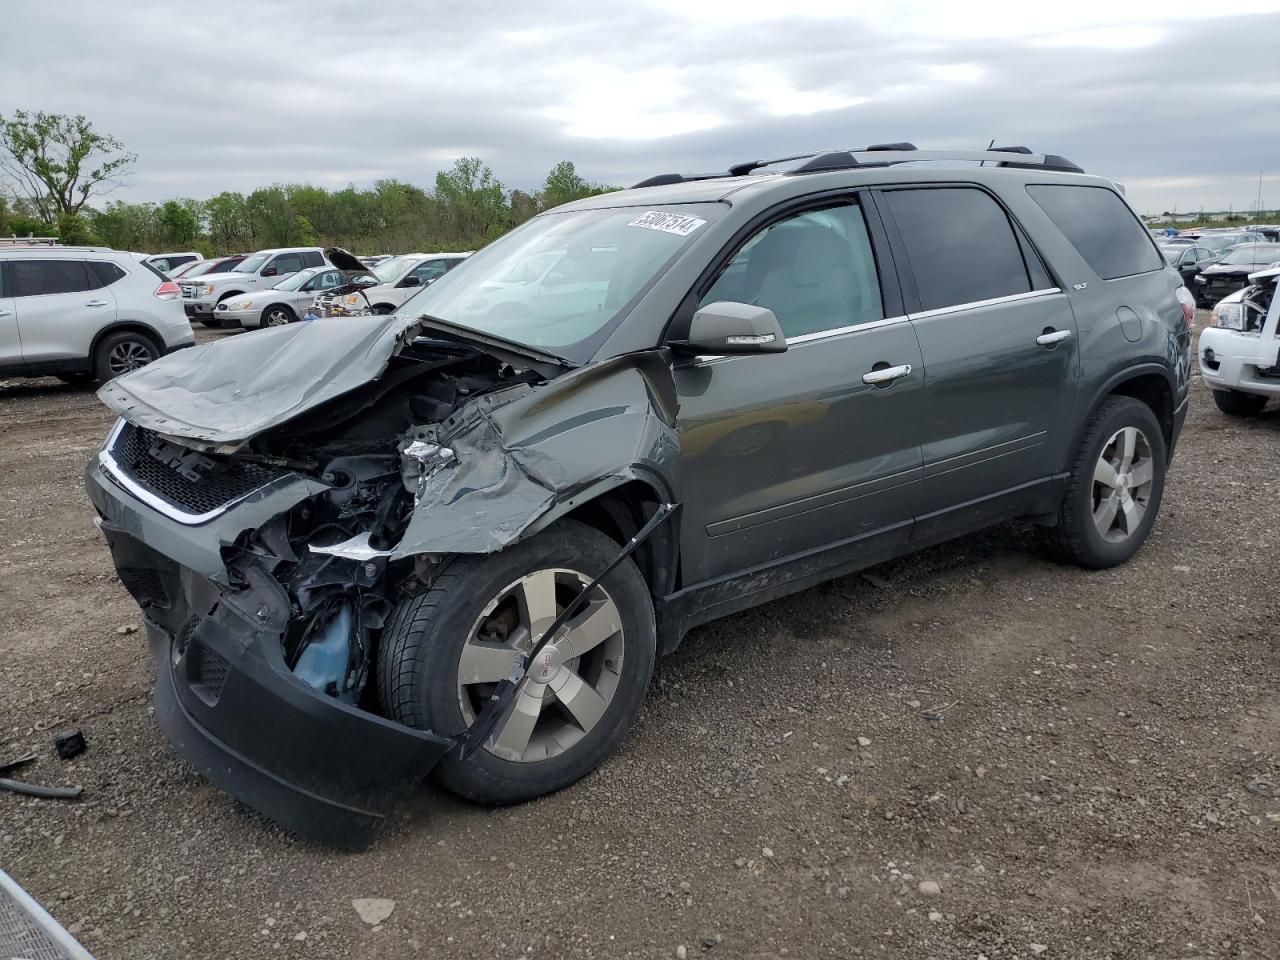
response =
{"points": [[882, 155], [29, 241]]}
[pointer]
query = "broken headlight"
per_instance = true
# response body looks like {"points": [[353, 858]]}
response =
{"points": [[1229, 316]]}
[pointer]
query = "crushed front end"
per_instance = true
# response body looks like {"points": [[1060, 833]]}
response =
{"points": [[262, 618]]}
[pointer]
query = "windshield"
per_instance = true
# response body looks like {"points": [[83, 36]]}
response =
{"points": [[296, 281], [252, 264], [561, 281], [388, 270], [1251, 253]]}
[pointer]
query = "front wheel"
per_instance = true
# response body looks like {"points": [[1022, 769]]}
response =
{"points": [[444, 651], [1114, 490], [1234, 403], [278, 315]]}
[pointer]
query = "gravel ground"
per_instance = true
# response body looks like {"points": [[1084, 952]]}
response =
{"points": [[970, 752]]}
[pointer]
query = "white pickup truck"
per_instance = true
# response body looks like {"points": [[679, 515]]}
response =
{"points": [[266, 268], [1240, 353]]}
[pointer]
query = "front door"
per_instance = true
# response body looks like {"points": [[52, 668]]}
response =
{"points": [[10, 344], [818, 446], [1000, 354]]}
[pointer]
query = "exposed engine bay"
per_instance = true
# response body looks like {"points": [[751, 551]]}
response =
{"points": [[1255, 302]]}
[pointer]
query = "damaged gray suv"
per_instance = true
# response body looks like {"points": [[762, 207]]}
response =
{"points": [[454, 539]]}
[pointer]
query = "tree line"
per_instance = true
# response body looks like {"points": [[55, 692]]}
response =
{"points": [[56, 167]]}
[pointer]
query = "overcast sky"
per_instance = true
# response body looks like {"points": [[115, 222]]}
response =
{"points": [[1178, 100]]}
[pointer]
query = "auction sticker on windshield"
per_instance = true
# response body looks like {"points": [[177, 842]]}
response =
{"points": [[676, 223]]}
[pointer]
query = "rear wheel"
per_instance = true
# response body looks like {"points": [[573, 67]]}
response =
{"points": [[1237, 404], [445, 650], [278, 315], [1114, 491], [121, 353]]}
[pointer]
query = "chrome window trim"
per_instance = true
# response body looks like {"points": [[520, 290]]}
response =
{"points": [[703, 360], [994, 301], [121, 479]]}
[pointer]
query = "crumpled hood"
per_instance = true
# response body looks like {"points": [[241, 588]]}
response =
{"points": [[227, 391]]}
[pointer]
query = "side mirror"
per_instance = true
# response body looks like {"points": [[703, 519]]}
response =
{"points": [[726, 327], [270, 272], [367, 281], [411, 282]]}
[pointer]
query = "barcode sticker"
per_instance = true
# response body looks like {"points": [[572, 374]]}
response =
{"points": [[676, 223]]}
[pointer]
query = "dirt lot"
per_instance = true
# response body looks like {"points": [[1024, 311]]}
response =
{"points": [[1064, 754]]}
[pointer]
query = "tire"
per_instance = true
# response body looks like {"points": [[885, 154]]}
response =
{"points": [[121, 353], [1077, 537], [277, 315], [1234, 403], [419, 665]]}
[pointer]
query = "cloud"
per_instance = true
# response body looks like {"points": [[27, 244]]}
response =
{"points": [[1177, 99]]}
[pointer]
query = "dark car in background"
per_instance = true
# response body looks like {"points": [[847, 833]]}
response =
{"points": [[1188, 259], [1231, 272]]}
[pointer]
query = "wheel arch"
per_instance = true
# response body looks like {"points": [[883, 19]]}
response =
{"points": [[618, 507], [262, 314], [1149, 383], [126, 326]]}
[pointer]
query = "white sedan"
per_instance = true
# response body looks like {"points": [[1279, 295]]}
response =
{"points": [[281, 304]]}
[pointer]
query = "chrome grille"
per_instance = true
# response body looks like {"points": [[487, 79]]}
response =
{"points": [[195, 484]]}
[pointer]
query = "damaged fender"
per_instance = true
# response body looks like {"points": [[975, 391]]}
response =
{"points": [[517, 463]]}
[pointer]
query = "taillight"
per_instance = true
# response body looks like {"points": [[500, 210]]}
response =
{"points": [[168, 291], [1188, 303]]}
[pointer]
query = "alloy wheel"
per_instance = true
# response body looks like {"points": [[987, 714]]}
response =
{"points": [[1122, 480], [277, 318], [575, 677], [129, 355]]}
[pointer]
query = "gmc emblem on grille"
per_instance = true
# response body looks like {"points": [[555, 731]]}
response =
{"points": [[186, 463]]}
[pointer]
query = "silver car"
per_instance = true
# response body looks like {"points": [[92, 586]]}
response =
{"points": [[285, 303], [84, 312]]}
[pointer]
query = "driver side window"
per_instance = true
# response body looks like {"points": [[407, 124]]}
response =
{"points": [[814, 270]]}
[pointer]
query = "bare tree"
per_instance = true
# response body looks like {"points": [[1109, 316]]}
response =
{"points": [[58, 162]]}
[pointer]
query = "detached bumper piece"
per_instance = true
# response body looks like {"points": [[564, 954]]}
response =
{"points": [[28, 932], [321, 768]]}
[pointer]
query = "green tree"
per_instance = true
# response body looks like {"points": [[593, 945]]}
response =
{"points": [[563, 185], [75, 231], [230, 229], [179, 224], [59, 162], [474, 203]]}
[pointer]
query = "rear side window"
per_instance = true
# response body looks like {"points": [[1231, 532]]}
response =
{"points": [[34, 278], [961, 246], [287, 263], [1101, 227], [313, 258], [103, 274]]}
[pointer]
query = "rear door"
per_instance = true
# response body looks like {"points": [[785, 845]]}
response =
{"points": [[814, 453], [998, 341], [61, 306]]}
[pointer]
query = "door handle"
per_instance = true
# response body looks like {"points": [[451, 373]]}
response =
{"points": [[1053, 337], [5, 313], [96, 303], [886, 374]]}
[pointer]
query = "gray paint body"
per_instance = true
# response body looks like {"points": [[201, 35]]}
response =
{"points": [[771, 456]]}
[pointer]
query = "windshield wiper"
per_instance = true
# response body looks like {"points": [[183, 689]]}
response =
{"points": [[459, 332]]}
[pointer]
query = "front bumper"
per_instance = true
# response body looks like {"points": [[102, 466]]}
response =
{"points": [[250, 319], [230, 706], [199, 308], [1233, 360], [1212, 289]]}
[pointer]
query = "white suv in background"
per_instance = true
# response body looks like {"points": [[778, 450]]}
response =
{"points": [[264, 269], [399, 278], [81, 312], [1240, 352]]}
